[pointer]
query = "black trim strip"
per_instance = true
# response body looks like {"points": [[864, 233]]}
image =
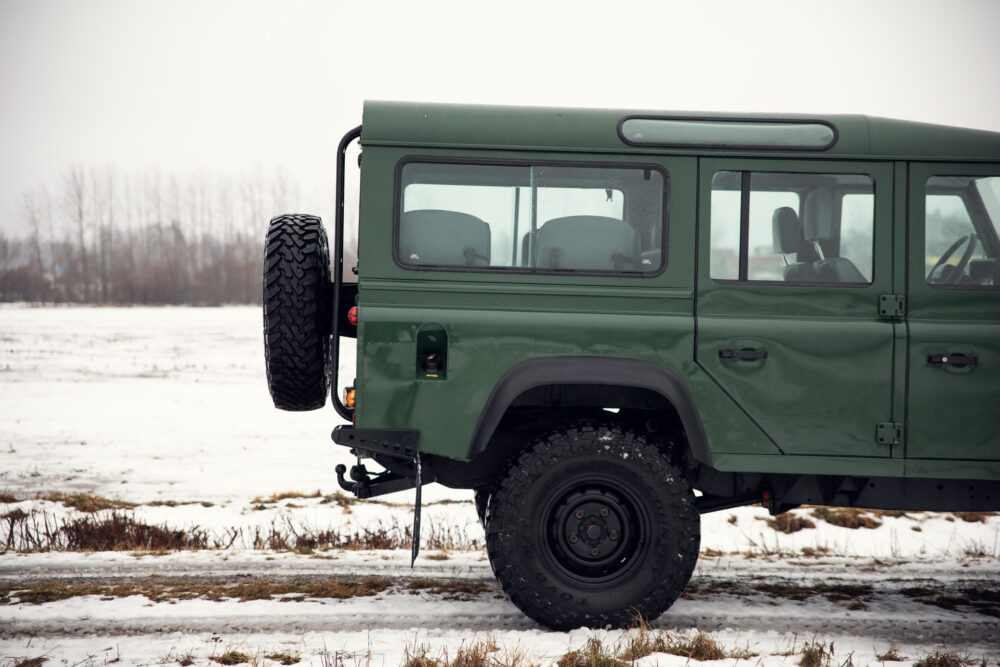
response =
{"points": [[744, 226]]}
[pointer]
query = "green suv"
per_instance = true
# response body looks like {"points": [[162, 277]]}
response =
{"points": [[609, 322]]}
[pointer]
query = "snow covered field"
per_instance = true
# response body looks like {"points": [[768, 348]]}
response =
{"points": [[167, 409]]}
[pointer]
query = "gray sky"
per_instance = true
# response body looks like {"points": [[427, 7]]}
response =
{"points": [[224, 87]]}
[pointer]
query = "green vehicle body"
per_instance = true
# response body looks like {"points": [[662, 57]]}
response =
{"points": [[608, 322], [836, 369]]}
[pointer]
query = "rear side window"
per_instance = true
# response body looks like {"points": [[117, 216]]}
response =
{"points": [[537, 218], [792, 227]]}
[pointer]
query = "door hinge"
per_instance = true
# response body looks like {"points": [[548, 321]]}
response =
{"points": [[889, 433], [891, 306]]}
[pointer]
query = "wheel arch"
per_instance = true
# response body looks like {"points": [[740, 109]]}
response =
{"points": [[584, 370]]}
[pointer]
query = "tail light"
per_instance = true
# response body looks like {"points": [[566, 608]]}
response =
{"points": [[352, 315], [349, 397]]}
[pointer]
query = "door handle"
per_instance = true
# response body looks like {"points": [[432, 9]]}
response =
{"points": [[743, 354], [957, 359]]}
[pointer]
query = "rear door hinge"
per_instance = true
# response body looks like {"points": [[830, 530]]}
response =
{"points": [[891, 306], [889, 433]]}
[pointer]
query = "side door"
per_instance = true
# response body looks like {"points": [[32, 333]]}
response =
{"points": [[953, 304], [794, 256]]}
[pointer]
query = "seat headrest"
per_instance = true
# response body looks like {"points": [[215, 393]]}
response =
{"points": [[587, 242], [443, 238], [817, 218], [786, 230]]}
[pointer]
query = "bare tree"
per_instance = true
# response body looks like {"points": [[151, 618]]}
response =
{"points": [[76, 202]]}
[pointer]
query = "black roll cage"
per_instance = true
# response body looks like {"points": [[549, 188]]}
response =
{"points": [[338, 275]]}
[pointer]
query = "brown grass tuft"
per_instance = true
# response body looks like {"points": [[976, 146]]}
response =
{"points": [[891, 654], [87, 502], [847, 517], [593, 654], [941, 658], [699, 647], [789, 523], [29, 662], [231, 657], [816, 654], [285, 658]]}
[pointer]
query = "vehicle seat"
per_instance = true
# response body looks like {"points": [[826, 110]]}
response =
{"points": [[818, 226], [443, 238], [587, 242], [786, 230]]}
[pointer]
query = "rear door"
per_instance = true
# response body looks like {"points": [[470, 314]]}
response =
{"points": [[793, 259], [954, 315]]}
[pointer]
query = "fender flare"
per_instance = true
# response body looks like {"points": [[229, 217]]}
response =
{"points": [[590, 370]]}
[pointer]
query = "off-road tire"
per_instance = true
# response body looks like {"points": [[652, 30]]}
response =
{"points": [[297, 312], [539, 533], [482, 500]]}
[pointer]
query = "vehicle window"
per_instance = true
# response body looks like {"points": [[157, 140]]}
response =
{"points": [[961, 247], [531, 217], [792, 228]]}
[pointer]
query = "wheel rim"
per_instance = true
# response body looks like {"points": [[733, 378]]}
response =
{"points": [[595, 532]]}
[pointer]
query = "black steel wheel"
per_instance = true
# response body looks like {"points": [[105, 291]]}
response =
{"points": [[592, 526], [297, 312]]}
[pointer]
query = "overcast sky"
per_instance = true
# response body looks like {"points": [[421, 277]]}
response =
{"points": [[224, 87]]}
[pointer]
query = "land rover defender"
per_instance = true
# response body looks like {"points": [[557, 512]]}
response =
{"points": [[606, 323]]}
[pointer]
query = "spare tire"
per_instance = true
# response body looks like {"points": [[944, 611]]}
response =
{"points": [[297, 312]]}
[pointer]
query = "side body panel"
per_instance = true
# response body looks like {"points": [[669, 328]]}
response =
{"points": [[494, 321]]}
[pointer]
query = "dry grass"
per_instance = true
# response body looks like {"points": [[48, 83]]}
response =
{"points": [[941, 658], [974, 517], [816, 654], [120, 531], [847, 517], [477, 653], [891, 654], [166, 589], [451, 589], [641, 641], [86, 502], [789, 523], [285, 658], [592, 654], [28, 662], [162, 589], [231, 657], [113, 531]]}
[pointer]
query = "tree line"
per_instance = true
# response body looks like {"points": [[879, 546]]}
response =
{"points": [[143, 238]]}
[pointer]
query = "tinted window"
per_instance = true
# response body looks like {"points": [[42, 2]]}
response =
{"points": [[795, 228], [531, 217]]}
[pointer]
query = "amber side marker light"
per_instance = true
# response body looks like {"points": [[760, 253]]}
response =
{"points": [[349, 397], [352, 315]]}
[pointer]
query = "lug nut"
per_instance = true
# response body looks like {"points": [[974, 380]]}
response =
{"points": [[613, 536], [594, 552], [604, 511], [574, 539], [579, 514]]}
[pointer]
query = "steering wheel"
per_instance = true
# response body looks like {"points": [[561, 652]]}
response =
{"points": [[956, 273]]}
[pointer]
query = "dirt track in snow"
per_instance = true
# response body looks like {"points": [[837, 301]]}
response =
{"points": [[901, 602]]}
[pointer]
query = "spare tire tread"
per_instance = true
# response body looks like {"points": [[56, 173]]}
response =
{"points": [[297, 312]]}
